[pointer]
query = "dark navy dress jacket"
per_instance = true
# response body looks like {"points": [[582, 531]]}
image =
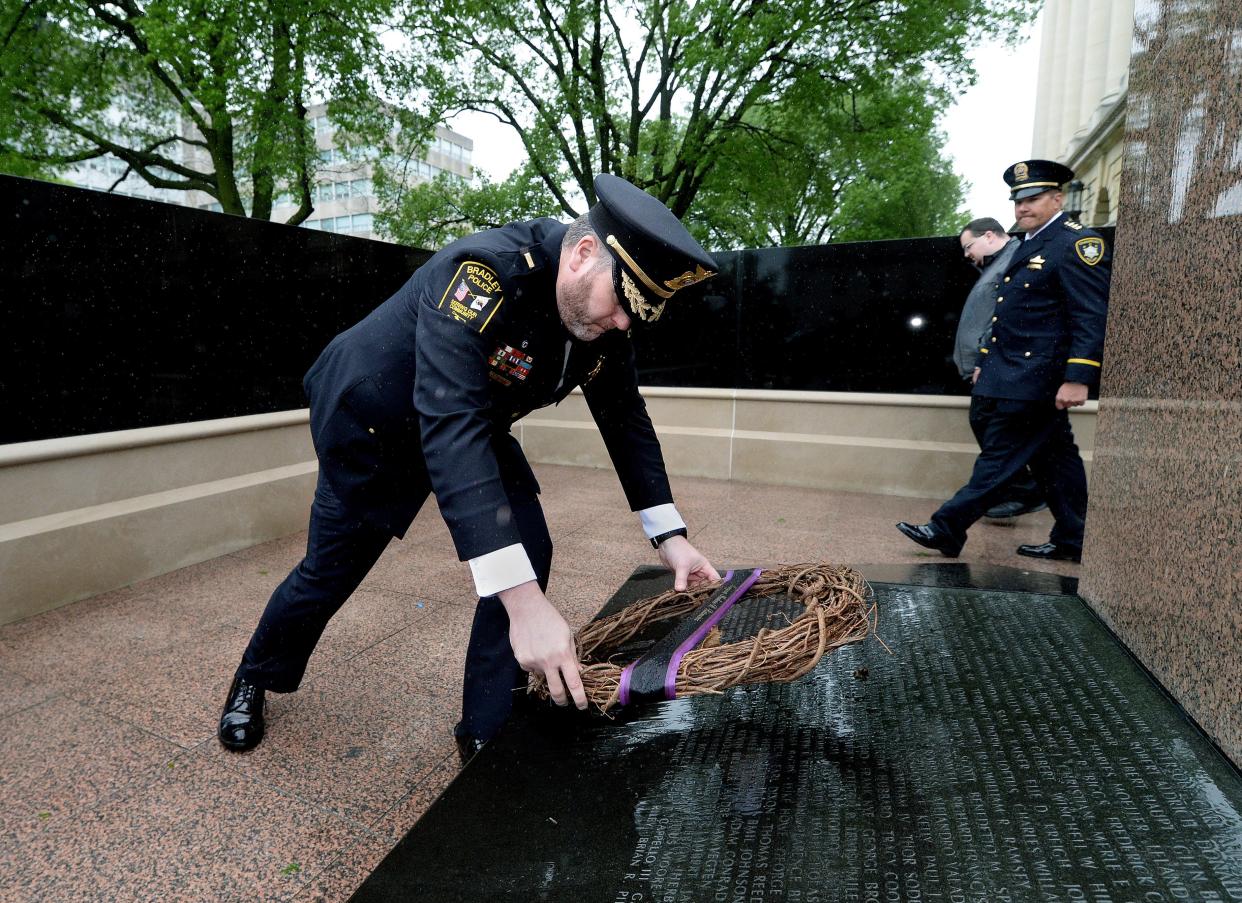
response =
{"points": [[420, 395], [1048, 322]]}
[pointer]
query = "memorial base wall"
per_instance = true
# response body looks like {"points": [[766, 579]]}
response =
{"points": [[88, 514]]}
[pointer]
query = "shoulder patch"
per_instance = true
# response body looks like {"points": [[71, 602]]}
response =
{"points": [[473, 295], [1090, 250]]}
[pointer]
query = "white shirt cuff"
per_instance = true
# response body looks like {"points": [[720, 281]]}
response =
{"points": [[660, 519], [500, 570]]}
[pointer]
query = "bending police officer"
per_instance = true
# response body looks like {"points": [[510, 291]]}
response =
{"points": [[419, 397]]}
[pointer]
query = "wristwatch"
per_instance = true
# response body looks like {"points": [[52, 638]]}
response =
{"points": [[656, 540]]}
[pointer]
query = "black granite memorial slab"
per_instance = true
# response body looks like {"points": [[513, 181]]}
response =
{"points": [[1006, 749], [963, 575]]}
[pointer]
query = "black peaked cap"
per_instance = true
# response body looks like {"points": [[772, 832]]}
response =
{"points": [[655, 255], [1031, 177]]}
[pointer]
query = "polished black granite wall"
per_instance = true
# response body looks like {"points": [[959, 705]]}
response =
{"points": [[121, 313], [876, 316], [866, 317]]}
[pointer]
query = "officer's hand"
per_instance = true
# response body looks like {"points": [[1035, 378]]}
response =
{"points": [[974, 377], [1071, 395], [688, 564], [542, 642]]}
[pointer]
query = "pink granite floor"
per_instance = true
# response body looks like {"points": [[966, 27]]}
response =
{"points": [[112, 786]]}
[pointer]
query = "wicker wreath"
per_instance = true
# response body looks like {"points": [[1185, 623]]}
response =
{"points": [[839, 608]]}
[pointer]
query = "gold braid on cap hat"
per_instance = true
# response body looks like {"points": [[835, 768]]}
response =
{"points": [[647, 311], [644, 309], [638, 271]]}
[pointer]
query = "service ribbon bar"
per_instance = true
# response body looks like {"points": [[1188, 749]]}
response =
{"points": [[654, 676]]}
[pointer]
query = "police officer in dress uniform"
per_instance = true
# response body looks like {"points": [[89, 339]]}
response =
{"points": [[419, 398], [1040, 358]]}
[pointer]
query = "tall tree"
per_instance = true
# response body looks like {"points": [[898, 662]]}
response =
{"points": [[433, 213], [851, 162], [190, 94], [657, 91]]}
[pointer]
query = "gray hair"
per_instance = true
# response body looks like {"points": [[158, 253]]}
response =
{"points": [[580, 229]]}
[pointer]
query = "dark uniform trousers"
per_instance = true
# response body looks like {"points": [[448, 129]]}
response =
{"points": [[1012, 434], [340, 550]]}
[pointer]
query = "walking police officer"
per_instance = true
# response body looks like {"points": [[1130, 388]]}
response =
{"points": [[419, 397], [1042, 355]]}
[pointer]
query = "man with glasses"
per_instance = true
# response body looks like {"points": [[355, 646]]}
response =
{"points": [[987, 245], [1040, 358]]}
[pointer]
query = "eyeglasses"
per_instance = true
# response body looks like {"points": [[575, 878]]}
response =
{"points": [[966, 247]]}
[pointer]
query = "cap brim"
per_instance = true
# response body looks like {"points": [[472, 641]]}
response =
{"points": [[1019, 193]]}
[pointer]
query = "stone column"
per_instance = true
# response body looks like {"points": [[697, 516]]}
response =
{"points": [[1047, 115], [1121, 29], [1163, 555], [1075, 57], [1093, 67]]}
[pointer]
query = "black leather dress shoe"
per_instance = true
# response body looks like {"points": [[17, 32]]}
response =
{"points": [[467, 747], [928, 536], [1014, 508], [241, 722], [1051, 551]]}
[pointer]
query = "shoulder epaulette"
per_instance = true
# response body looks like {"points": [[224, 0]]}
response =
{"points": [[1071, 224]]}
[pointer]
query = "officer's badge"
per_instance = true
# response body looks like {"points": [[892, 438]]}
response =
{"points": [[1090, 250], [1036, 263], [1020, 172], [473, 295]]}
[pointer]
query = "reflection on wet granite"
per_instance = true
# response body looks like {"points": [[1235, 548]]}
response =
{"points": [[964, 575], [1163, 556], [1006, 749]]}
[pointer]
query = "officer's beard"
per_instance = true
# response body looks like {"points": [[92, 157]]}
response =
{"points": [[573, 303]]}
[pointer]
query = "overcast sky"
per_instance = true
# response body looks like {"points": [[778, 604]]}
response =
{"points": [[992, 125], [989, 127]]}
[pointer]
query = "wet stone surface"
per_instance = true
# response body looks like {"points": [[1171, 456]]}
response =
{"points": [[1007, 749]]}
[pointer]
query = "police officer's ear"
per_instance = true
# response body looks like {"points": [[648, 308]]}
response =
{"points": [[581, 256]]}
